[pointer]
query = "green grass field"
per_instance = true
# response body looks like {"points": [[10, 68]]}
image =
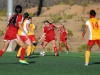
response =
{"points": [[65, 64]]}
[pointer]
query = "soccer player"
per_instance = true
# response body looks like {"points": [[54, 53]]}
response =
{"points": [[63, 38], [93, 25], [11, 33], [23, 33], [31, 35], [49, 34]]}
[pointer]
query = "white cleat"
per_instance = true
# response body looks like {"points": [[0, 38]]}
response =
{"points": [[67, 52], [86, 64]]}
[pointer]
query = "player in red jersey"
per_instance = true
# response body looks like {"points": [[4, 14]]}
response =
{"points": [[63, 38], [11, 33], [49, 35]]}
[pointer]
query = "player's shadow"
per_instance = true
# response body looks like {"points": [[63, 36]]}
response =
{"points": [[30, 62], [95, 63]]}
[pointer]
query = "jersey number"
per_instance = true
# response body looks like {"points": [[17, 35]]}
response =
{"points": [[95, 25]]}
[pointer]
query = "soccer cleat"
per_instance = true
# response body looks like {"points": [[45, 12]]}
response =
{"points": [[67, 52], [56, 54], [23, 62], [86, 64]]}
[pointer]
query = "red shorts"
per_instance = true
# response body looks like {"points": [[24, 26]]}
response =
{"points": [[92, 42], [63, 39], [49, 38], [32, 38], [10, 36], [23, 38]]}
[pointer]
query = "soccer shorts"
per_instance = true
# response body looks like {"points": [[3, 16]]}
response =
{"points": [[23, 38], [10, 36], [63, 39], [32, 38], [92, 42], [49, 38]]}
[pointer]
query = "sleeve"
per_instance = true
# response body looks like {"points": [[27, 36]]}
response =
{"points": [[87, 23], [20, 19], [27, 21]]}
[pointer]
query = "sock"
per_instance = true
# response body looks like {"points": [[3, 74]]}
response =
{"points": [[67, 48], [19, 52], [28, 50], [33, 48], [87, 56], [22, 54], [1, 52], [60, 48], [55, 49]]}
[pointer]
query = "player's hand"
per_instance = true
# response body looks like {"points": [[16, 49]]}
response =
{"points": [[82, 38]]}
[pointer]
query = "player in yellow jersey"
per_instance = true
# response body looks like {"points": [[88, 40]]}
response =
{"points": [[31, 35], [24, 34], [93, 25]]}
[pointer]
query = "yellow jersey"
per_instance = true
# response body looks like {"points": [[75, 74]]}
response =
{"points": [[20, 32], [32, 27], [94, 28]]}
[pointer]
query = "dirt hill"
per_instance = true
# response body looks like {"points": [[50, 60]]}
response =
{"points": [[74, 18]]}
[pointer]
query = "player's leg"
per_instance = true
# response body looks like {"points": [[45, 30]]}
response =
{"points": [[33, 40], [66, 47], [33, 47], [54, 47], [21, 44], [60, 47], [19, 52], [87, 53], [29, 47], [6, 43]]}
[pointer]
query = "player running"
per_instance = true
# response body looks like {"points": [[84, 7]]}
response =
{"points": [[14, 24], [23, 33], [63, 38], [31, 35], [49, 34], [93, 25]]}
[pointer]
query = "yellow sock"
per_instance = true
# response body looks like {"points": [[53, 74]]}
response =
{"points": [[19, 52], [28, 50], [87, 56], [33, 48]]}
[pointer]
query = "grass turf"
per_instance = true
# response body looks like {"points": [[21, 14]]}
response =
{"points": [[65, 64]]}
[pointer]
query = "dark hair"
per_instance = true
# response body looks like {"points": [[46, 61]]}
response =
{"points": [[92, 12], [29, 18], [26, 15], [46, 21], [18, 9]]}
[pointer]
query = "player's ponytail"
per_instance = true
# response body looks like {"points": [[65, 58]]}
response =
{"points": [[18, 9], [26, 15]]}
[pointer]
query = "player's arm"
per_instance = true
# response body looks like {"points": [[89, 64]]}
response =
{"points": [[28, 27], [42, 37], [84, 31], [57, 26], [20, 26]]}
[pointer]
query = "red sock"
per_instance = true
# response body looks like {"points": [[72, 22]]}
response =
{"points": [[67, 48], [55, 49], [60, 48], [22, 54], [1, 52]]}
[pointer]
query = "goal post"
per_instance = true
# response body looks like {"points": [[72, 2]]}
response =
{"points": [[9, 13]]}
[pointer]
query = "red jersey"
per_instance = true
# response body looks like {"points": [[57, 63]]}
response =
{"points": [[49, 30], [11, 31], [63, 33]]}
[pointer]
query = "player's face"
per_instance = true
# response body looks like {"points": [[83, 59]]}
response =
{"points": [[30, 20], [46, 23]]}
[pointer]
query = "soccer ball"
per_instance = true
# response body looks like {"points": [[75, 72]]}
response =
{"points": [[42, 53]]}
